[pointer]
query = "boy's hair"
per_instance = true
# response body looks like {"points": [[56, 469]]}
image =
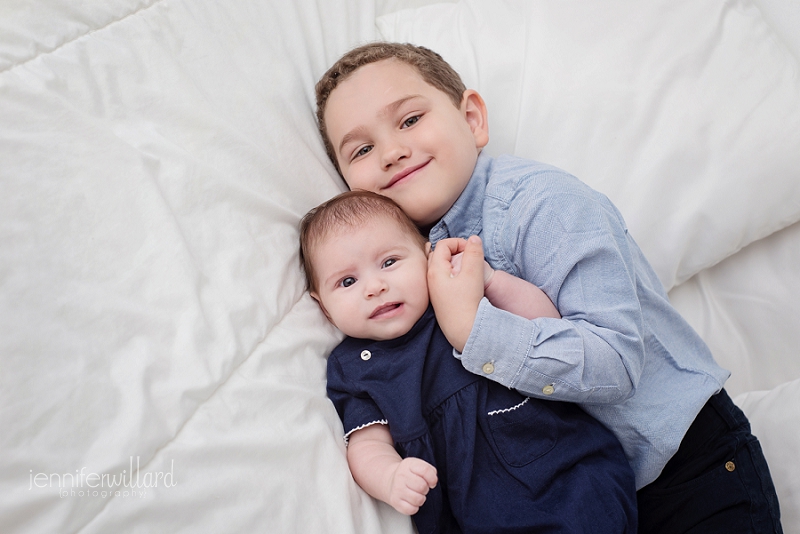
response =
{"points": [[430, 66], [347, 210]]}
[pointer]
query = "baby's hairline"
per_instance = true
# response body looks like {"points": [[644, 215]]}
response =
{"points": [[333, 218]]}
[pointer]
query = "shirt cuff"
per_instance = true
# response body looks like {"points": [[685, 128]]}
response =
{"points": [[478, 356]]}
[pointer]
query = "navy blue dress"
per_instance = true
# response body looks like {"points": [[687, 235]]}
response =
{"points": [[506, 463]]}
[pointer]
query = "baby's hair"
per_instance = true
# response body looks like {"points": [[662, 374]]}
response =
{"points": [[430, 66], [344, 211]]}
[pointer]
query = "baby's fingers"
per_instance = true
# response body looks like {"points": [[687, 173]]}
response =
{"points": [[411, 484], [426, 472]]}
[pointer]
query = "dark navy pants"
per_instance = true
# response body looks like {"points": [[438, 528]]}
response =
{"points": [[717, 482]]}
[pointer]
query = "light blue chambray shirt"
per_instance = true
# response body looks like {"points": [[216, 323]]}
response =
{"points": [[621, 350]]}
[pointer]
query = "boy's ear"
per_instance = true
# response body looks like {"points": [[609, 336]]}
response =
{"points": [[474, 109]]}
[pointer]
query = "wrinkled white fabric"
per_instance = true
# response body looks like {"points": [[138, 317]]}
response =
{"points": [[155, 159]]}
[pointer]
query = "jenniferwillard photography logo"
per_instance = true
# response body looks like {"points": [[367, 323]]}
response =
{"points": [[129, 483]]}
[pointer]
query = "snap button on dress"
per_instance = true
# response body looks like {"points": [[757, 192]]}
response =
{"points": [[548, 389], [488, 368], [730, 466], [366, 355]]}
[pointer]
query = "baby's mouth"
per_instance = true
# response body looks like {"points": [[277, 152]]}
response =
{"points": [[385, 309]]}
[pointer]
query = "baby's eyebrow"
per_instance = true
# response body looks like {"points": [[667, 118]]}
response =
{"points": [[334, 277]]}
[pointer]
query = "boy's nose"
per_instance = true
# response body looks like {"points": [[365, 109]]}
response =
{"points": [[395, 153]]}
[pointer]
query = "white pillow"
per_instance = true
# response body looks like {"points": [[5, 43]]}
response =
{"points": [[686, 114], [775, 419], [746, 308]]}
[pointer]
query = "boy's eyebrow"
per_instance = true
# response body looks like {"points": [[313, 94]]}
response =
{"points": [[349, 136], [389, 109]]}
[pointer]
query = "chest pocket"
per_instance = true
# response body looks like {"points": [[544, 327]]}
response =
{"points": [[523, 432]]}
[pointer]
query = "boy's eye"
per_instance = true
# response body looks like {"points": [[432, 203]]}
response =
{"points": [[411, 121], [363, 150], [389, 262], [347, 282]]}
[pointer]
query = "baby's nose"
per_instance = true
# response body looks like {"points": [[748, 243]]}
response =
{"points": [[376, 286]]}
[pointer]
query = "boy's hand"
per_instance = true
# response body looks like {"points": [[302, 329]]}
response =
{"points": [[410, 483], [488, 272], [455, 297]]}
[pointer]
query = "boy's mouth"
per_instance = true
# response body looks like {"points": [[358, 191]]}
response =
{"points": [[385, 310], [405, 173]]}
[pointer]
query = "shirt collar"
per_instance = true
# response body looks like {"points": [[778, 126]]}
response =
{"points": [[465, 217]]}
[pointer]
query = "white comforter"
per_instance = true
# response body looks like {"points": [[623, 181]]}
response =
{"points": [[161, 369]]}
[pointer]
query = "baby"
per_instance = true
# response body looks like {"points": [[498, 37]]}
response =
{"points": [[458, 451]]}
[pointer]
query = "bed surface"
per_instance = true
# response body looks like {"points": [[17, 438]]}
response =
{"points": [[156, 157]]}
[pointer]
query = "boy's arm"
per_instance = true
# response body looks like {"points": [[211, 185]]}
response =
{"points": [[379, 470], [511, 293], [457, 267], [518, 296], [594, 354]]}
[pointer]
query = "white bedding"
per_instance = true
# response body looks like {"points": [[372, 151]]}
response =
{"points": [[155, 159]]}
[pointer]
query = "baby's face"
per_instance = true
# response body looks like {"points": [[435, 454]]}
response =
{"points": [[396, 135], [372, 280]]}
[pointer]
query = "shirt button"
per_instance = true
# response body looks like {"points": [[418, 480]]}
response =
{"points": [[488, 368], [730, 466], [548, 389], [366, 355]]}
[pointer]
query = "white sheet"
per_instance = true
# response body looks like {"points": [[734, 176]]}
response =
{"points": [[155, 159], [746, 309]]}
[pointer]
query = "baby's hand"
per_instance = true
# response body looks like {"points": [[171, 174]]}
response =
{"points": [[409, 485]]}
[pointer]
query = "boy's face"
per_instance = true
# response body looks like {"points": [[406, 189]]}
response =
{"points": [[372, 280], [396, 135]]}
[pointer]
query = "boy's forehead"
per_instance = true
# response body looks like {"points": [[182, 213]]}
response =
{"points": [[390, 68], [380, 82]]}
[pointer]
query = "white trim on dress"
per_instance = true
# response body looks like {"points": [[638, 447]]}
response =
{"points": [[365, 425], [495, 412]]}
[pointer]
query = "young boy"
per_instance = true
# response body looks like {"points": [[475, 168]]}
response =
{"points": [[397, 120], [459, 452]]}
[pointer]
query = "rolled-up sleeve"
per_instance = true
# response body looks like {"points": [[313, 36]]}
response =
{"points": [[574, 246]]}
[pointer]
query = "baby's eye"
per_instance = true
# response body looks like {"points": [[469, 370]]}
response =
{"points": [[347, 282], [363, 150], [389, 262], [411, 121]]}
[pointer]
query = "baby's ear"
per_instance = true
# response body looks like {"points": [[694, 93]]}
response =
{"points": [[315, 296], [474, 109]]}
